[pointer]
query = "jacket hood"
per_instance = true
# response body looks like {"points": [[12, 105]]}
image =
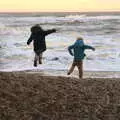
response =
{"points": [[79, 43], [36, 29]]}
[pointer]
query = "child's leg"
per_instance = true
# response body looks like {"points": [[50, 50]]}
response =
{"points": [[80, 68], [40, 58], [71, 69], [36, 59]]}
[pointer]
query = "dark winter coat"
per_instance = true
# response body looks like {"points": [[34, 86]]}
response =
{"points": [[39, 40]]}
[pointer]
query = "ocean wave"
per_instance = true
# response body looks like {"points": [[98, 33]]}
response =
{"points": [[77, 16], [58, 20], [103, 32]]}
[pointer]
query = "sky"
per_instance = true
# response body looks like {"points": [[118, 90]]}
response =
{"points": [[58, 5]]}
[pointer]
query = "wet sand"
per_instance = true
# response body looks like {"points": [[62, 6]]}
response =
{"points": [[87, 74], [30, 95]]}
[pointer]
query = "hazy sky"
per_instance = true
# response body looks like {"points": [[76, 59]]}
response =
{"points": [[59, 5]]}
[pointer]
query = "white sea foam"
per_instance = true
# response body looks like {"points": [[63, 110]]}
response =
{"points": [[100, 31]]}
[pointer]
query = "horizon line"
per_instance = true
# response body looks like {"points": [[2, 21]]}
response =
{"points": [[58, 11]]}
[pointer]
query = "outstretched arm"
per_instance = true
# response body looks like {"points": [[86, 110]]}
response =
{"points": [[50, 31], [89, 47], [30, 39], [70, 49]]}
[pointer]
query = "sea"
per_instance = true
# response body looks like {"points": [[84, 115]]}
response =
{"points": [[98, 29]]}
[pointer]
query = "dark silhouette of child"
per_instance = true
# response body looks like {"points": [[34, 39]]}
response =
{"points": [[39, 43]]}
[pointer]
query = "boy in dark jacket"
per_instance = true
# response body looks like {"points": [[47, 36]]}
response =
{"points": [[78, 52], [38, 37]]}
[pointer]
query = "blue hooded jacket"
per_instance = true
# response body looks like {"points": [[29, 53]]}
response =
{"points": [[78, 48]]}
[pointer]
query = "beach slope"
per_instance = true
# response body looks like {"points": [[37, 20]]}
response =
{"points": [[32, 96]]}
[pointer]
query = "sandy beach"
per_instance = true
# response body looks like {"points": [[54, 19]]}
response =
{"points": [[37, 96]]}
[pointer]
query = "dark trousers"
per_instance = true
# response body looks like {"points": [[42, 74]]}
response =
{"points": [[38, 57], [79, 64]]}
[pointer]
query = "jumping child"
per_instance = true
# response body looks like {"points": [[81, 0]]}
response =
{"points": [[38, 38]]}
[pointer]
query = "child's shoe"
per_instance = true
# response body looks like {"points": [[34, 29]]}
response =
{"points": [[68, 73], [40, 61], [35, 63]]}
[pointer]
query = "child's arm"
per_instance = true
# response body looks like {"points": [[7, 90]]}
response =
{"points": [[30, 39], [50, 31], [70, 49], [89, 47]]}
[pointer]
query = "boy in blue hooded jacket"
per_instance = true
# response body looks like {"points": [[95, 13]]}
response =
{"points": [[77, 50]]}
